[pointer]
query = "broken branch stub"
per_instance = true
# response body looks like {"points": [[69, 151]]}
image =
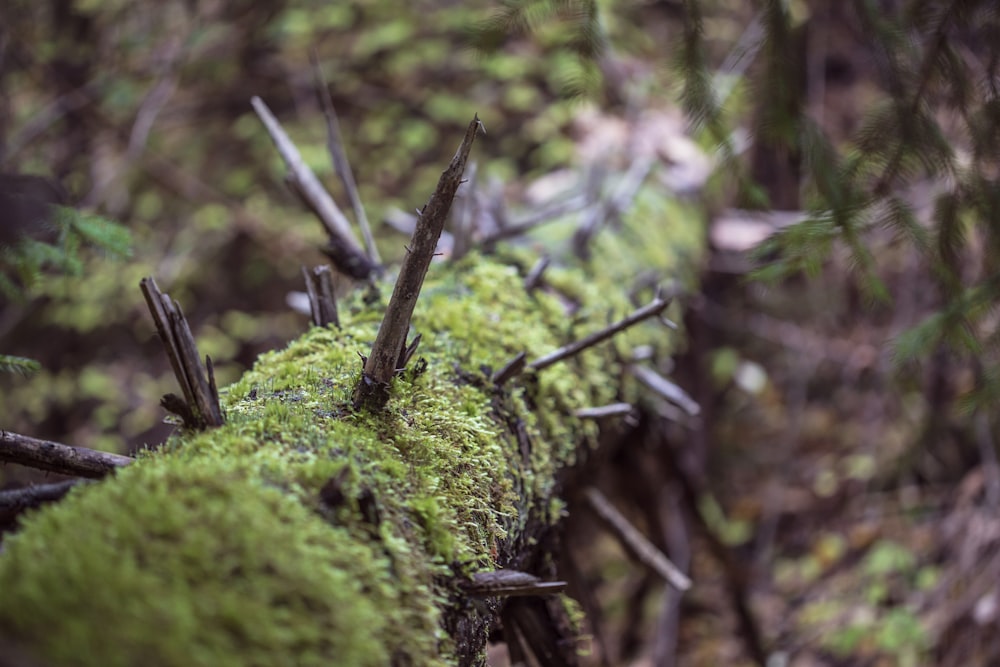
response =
{"points": [[201, 397], [372, 391]]}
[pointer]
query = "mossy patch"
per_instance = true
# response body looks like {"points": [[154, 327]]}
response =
{"points": [[303, 532]]}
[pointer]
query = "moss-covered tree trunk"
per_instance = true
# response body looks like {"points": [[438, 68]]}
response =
{"points": [[305, 531]]}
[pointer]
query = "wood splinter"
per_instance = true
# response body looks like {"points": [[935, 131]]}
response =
{"points": [[200, 407], [372, 391], [510, 583], [322, 301]]}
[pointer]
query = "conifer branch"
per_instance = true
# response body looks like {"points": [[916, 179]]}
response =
{"points": [[372, 391], [59, 458]]}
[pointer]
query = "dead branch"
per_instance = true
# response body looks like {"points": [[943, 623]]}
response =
{"points": [[341, 165], [17, 501], [55, 457], [651, 310], [197, 382], [344, 249], [635, 541], [322, 301], [372, 391]]}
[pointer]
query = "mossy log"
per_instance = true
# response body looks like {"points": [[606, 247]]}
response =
{"points": [[306, 532]]}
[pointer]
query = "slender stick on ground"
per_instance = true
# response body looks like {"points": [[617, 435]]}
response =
{"points": [[635, 541], [344, 249], [372, 391], [651, 310], [335, 145], [56, 457]]}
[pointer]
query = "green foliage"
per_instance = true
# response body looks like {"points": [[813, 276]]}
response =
{"points": [[23, 264]]}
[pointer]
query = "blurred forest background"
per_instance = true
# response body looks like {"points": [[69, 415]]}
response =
{"points": [[836, 500]]}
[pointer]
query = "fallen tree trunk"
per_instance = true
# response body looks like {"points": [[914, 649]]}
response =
{"points": [[306, 531]]}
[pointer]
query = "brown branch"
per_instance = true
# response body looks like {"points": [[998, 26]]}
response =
{"points": [[344, 249], [341, 165], [198, 383], [322, 302], [56, 457], [534, 277], [372, 391], [651, 310], [17, 501], [511, 369], [636, 542]]}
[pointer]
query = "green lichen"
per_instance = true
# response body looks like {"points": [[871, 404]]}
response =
{"points": [[303, 532]]}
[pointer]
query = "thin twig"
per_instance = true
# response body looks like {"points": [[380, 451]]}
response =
{"points": [[372, 391], [651, 310], [613, 206], [510, 369], [344, 249], [666, 389], [602, 411], [55, 457], [635, 541], [524, 225], [198, 383], [17, 501], [534, 277], [463, 222], [341, 165]]}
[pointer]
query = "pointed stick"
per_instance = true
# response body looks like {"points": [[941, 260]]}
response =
{"points": [[344, 249], [651, 310], [635, 541], [56, 457], [341, 165], [372, 391]]}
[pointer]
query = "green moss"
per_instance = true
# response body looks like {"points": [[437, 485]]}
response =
{"points": [[303, 532]]}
